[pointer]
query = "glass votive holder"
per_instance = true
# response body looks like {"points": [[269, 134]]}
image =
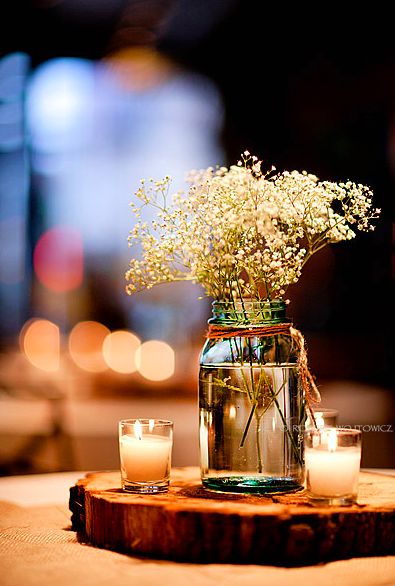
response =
{"points": [[323, 418], [332, 461], [145, 453]]}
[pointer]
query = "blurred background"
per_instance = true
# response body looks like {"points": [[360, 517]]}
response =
{"points": [[96, 94]]}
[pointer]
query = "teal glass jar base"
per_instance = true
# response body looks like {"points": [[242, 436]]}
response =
{"points": [[251, 484]]}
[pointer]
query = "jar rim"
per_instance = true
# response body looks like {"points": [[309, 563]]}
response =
{"points": [[249, 302], [249, 311]]}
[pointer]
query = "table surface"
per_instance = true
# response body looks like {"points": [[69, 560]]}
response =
{"points": [[37, 547]]}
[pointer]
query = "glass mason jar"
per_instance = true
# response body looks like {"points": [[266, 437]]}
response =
{"points": [[252, 407]]}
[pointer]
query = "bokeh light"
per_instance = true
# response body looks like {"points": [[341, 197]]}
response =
{"points": [[155, 360], [40, 342], [57, 106], [58, 259], [119, 351], [85, 345]]}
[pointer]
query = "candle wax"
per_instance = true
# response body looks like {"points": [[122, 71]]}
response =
{"points": [[146, 459], [332, 473]]}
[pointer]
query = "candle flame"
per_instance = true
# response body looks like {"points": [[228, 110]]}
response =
{"points": [[332, 440], [138, 430], [151, 424]]}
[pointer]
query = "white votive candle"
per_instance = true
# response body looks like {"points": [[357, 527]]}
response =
{"points": [[145, 459], [332, 473], [332, 460], [145, 453]]}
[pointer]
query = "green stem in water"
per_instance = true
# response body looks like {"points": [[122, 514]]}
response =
{"points": [[291, 438], [262, 378], [247, 427], [258, 442], [254, 393]]}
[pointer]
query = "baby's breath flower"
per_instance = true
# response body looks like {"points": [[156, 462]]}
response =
{"points": [[238, 232]]}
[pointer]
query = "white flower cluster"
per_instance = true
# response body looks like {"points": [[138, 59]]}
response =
{"points": [[239, 232]]}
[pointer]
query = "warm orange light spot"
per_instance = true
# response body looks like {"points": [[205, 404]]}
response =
{"points": [[155, 360], [119, 350], [40, 341], [58, 259], [85, 345], [139, 67]]}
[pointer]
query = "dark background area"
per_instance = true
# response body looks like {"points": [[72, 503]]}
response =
{"points": [[300, 89]]}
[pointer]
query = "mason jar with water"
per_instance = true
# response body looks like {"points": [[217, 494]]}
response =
{"points": [[252, 406]]}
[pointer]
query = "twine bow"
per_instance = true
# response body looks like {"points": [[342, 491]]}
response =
{"points": [[311, 392]]}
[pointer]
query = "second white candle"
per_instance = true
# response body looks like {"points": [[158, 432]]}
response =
{"points": [[332, 473]]}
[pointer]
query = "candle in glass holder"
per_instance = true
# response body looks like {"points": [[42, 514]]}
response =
{"points": [[145, 454], [332, 461]]}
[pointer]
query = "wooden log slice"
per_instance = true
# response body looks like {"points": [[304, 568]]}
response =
{"points": [[190, 523]]}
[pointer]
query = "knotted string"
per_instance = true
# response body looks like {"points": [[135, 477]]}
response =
{"points": [[312, 394]]}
